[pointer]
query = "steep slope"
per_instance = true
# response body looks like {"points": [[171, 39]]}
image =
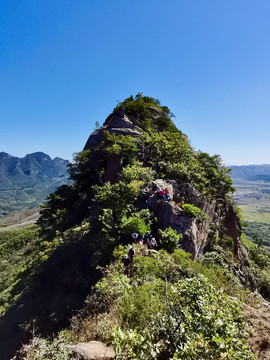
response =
{"points": [[119, 185], [25, 182]]}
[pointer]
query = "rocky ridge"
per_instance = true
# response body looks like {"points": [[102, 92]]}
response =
{"points": [[89, 216], [220, 218]]}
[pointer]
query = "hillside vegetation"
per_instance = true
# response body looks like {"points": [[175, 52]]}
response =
{"points": [[25, 182], [253, 191], [165, 305]]}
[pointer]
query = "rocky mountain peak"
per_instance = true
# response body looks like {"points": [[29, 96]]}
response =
{"points": [[119, 123]]}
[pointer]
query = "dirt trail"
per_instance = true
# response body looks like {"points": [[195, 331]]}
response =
{"points": [[259, 318]]}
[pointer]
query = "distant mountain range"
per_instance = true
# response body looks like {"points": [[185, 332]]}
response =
{"points": [[251, 172], [25, 182]]}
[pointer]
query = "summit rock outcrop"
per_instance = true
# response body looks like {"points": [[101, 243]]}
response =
{"points": [[118, 123]]}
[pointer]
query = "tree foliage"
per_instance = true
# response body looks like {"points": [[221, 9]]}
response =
{"points": [[165, 313], [141, 109]]}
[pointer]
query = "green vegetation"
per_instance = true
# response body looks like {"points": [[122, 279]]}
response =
{"points": [[18, 251], [35, 177], [169, 306], [140, 108], [176, 159], [257, 231], [191, 210], [165, 310], [166, 152], [254, 213], [169, 239]]}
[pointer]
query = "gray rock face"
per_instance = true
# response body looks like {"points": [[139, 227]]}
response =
{"points": [[117, 123], [196, 232], [170, 214], [93, 350], [231, 225]]}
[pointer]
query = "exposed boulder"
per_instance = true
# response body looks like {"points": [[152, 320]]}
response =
{"points": [[117, 123], [194, 231], [92, 350], [197, 231]]}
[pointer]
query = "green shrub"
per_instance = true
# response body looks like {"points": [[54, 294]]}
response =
{"points": [[169, 239], [41, 349], [132, 225], [191, 210], [190, 319]]}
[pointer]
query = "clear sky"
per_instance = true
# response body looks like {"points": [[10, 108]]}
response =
{"points": [[65, 64]]}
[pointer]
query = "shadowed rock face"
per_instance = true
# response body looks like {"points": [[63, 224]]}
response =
{"points": [[194, 231], [117, 123]]}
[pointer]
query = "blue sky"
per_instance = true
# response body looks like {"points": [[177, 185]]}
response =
{"points": [[65, 64]]}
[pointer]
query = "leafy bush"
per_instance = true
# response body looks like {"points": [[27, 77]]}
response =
{"points": [[140, 109], [169, 239], [42, 349], [165, 310], [191, 210], [189, 320], [132, 225]]}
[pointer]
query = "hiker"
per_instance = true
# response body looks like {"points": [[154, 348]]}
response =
{"points": [[145, 194], [146, 236], [134, 236], [167, 197], [126, 261], [153, 243], [131, 253], [140, 242]]}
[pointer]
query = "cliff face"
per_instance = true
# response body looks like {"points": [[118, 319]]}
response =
{"points": [[118, 123]]}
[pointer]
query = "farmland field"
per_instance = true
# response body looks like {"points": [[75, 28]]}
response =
{"points": [[253, 197]]}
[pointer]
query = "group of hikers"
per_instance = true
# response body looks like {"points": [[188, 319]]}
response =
{"points": [[146, 239], [162, 194]]}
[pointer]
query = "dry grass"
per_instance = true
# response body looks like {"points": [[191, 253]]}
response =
{"points": [[17, 220], [96, 327]]}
